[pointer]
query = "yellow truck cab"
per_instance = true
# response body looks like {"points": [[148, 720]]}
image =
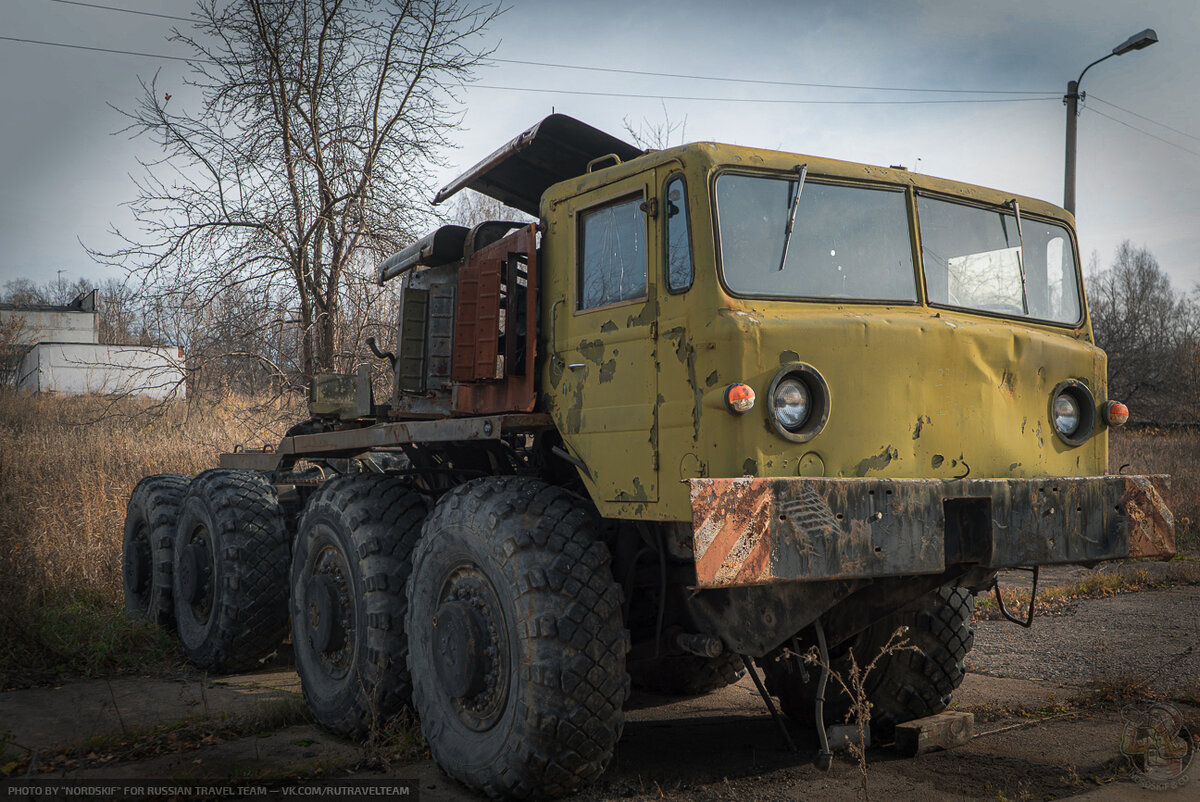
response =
{"points": [[926, 336]]}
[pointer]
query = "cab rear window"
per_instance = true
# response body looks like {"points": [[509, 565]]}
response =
{"points": [[612, 254]]}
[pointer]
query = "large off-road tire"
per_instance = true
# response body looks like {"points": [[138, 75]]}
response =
{"points": [[351, 563], [230, 562], [686, 674], [915, 684], [905, 685], [516, 645], [146, 556]]}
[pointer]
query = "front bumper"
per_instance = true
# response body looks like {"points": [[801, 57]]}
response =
{"points": [[758, 531]]}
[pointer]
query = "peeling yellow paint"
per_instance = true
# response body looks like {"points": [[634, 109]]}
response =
{"points": [[909, 385]]}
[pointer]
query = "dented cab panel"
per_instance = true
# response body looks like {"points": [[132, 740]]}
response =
{"points": [[914, 393]]}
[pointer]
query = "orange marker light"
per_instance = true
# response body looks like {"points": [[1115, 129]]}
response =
{"points": [[739, 398], [1115, 413]]}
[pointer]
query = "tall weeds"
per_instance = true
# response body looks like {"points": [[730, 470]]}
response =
{"points": [[67, 467]]}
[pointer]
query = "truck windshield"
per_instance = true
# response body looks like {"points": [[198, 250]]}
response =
{"points": [[975, 258], [846, 242]]}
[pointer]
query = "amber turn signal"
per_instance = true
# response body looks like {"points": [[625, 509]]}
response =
{"points": [[1115, 413], [739, 398]]}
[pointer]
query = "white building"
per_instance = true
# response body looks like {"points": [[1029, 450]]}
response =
{"points": [[59, 349]]}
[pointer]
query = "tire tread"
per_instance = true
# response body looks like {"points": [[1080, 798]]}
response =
{"points": [[382, 516], [545, 539], [251, 541], [908, 684], [156, 500]]}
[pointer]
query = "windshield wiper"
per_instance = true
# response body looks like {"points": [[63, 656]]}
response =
{"points": [[1016, 207], [802, 170]]}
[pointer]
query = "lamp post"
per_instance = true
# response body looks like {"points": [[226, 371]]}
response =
{"points": [[1071, 99]]}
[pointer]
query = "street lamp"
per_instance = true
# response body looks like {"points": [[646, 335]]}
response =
{"points": [[1135, 42]]}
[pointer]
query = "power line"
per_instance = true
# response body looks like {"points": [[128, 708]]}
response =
{"points": [[768, 82], [1143, 117], [579, 91], [647, 73], [125, 10], [756, 100], [1143, 131], [99, 49]]}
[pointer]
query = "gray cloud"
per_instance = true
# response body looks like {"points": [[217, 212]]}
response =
{"points": [[66, 173]]}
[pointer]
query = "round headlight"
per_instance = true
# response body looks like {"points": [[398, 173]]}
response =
{"points": [[1066, 414], [798, 402], [1073, 412], [791, 404]]}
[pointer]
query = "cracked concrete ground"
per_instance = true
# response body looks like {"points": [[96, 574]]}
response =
{"points": [[1029, 742]]}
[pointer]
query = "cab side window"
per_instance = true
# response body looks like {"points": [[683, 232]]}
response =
{"points": [[612, 254], [678, 236]]}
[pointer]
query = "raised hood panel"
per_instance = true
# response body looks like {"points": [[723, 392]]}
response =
{"points": [[557, 148]]}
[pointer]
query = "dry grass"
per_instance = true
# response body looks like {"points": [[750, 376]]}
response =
{"points": [[854, 686], [67, 467], [1174, 452]]}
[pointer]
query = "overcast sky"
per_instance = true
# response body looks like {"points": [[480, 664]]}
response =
{"points": [[65, 173]]}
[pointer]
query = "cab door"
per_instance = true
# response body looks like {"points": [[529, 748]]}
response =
{"points": [[607, 339]]}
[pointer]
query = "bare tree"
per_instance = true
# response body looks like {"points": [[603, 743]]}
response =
{"points": [[25, 292], [13, 347], [120, 315], [657, 135], [318, 124], [472, 208], [1150, 333]]}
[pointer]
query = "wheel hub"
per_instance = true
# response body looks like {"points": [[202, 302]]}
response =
{"points": [[193, 571], [460, 642], [470, 648], [325, 628]]}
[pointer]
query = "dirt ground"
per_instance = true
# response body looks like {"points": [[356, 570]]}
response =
{"points": [[1031, 740]]}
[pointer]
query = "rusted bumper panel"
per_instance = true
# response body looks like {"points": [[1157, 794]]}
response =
{"points": [[756, 531]]}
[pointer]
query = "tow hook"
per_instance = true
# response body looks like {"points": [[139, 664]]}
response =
{"points": [[1028, 622]]}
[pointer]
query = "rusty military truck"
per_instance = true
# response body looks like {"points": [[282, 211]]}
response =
{"points": [[717, 406]]}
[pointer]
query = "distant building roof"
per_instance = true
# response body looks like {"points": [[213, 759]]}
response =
{"points": [[84, 302]]}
